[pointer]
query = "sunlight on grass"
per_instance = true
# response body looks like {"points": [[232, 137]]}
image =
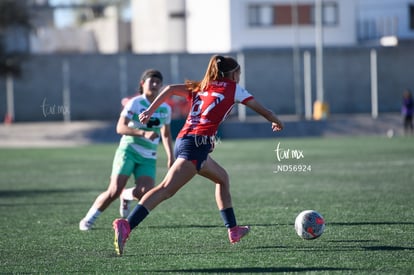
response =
{"points": [[362, 186]]}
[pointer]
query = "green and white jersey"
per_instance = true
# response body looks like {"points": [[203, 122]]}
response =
{"points": [[162, 116]]}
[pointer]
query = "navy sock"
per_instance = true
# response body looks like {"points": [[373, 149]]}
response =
{"points": [[228, 217], [137, 215]]}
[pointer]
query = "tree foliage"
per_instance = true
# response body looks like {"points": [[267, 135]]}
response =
{"points": [[13, 13]]}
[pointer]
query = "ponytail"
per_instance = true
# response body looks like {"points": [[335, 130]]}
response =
{"points": [[218, 67]]}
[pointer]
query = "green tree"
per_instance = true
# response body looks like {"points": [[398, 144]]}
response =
{"points": [[13, 13]]}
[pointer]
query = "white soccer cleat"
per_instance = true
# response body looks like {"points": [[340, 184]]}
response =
{"points": [[84, 225], [124, 209]]}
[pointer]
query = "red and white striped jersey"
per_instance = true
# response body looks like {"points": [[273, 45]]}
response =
{"points": [[210, 107]]}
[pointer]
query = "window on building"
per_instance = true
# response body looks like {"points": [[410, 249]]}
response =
{"points": [[305, 15], [285, 15], [260, 15], [411, 17], [330, 13]]}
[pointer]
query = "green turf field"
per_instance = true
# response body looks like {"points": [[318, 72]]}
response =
{"points": [[364, 187]]}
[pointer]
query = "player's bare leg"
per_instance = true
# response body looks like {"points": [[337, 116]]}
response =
{"points": [[181, 172], [142, 185], [213, 171], [216, 173], [116, 185]]}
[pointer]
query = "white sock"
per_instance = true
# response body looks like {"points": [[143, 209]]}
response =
{"points": [[92, 215], [127, 194]]}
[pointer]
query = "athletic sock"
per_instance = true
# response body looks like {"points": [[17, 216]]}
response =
{"points": [[228, 217], [127, 194], [92, 215], [137, 215]]}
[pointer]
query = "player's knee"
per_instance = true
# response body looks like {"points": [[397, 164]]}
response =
{"points": [[139, 192], [224, 178], [141, 189], [113, 193]]}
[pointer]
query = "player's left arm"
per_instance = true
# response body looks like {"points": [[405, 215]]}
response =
{"points": [[168, 144], [253, 104], [122, 128]]}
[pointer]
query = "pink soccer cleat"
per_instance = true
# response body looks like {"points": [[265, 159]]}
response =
{"points": [[237, 232], [122, 230]]}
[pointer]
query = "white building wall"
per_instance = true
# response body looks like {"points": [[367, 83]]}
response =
{"points": [[148, 25], [208, 26], [222, 26], [203, 26], [244, 36], [105, 31], [153, 29], [176, 34]]}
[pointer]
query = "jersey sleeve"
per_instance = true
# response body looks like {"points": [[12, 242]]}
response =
{"points": [[242, 95], [127, 111]]}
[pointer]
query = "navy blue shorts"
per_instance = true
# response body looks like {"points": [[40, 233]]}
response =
{"points": [[194, 149]]}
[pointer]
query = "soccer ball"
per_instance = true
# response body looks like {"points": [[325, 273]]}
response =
{"points": [[309, 224]]}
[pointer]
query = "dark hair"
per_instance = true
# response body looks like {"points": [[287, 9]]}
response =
{"points": [[226, 64], [147, 74]]}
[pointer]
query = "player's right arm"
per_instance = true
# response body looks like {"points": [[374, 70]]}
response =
{"points": [[175, 89]]}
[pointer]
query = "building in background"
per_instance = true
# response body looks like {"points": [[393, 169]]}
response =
{"points": [[257, 24], [202, 26], [232, 25], [379, 19], [99, 28], [279, 30], [199, 26], [159, 26]]}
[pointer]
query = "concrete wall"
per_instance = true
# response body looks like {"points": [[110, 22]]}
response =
{"points": [[96, 90]]}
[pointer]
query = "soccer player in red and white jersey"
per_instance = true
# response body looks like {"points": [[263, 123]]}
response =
{"points": [[211, 100]]}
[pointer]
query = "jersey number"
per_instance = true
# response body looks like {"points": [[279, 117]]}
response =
{"points": [[198, 104]]}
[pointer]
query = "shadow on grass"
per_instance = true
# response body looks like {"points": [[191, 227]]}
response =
{"points": [[258, 270], [387, 248], [41, 192], [177, 226], [352, 241], [341, 223], [213, 226], [307, 249], [33, 193], [367, 223], [358, 246]]}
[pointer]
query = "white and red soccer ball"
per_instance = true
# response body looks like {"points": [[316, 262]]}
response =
{"points": [[309, 224]]}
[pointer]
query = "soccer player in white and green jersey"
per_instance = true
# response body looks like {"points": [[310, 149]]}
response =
{"points": [[137, 150]]}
